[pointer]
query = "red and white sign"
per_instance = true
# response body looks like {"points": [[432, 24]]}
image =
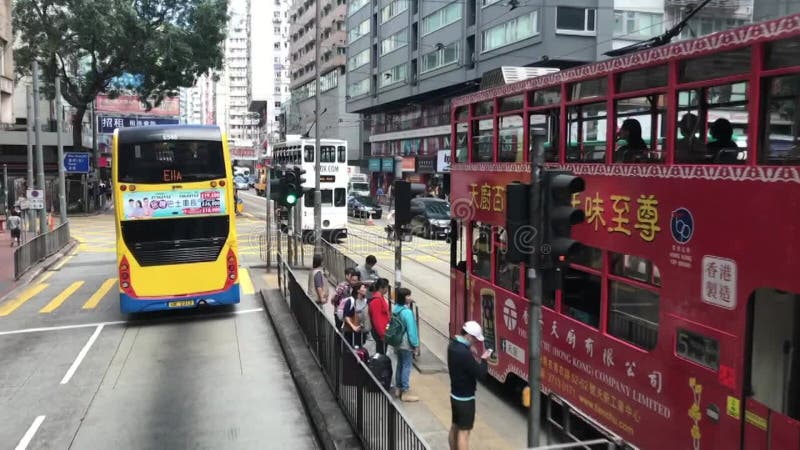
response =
{"points": [[244, 153], [130, 104]]}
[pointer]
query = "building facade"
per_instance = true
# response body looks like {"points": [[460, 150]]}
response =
{"points": [[406, 59], [298, 116], [6, 65]]}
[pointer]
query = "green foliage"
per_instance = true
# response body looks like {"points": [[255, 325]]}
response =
{"points": [[168, 43]]}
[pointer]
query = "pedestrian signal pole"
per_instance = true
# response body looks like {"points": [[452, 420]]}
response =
{"points": [[403, 193]]}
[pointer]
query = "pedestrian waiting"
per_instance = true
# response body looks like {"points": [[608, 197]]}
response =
{"points": [[402, 334], [14, 223], [343, 291], [356, 316], [317, 285], [379, 313], [464, 373]]}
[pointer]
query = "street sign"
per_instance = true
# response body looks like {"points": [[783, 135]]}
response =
{"points": [[35, 198], [107, 124], [76, 162]]}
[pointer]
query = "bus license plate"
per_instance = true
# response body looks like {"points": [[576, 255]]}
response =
{"points": [[181, 304]]}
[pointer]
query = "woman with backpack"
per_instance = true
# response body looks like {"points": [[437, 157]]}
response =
{"points": [[379, 313], [403, 335], [356, 316]]}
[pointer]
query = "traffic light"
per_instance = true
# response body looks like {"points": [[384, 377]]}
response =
{"points": [[559, 215], [300, 180], [521, 236], [403, 193], [275, 176], [289, 194]]}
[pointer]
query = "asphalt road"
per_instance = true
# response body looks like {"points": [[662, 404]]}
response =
{"points": [[75, 373]]}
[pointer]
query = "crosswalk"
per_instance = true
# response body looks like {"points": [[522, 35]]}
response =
{"points": [[44, 297]]}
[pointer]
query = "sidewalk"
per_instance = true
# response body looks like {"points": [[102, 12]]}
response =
{"points": [[431, 416], [6, 263]]}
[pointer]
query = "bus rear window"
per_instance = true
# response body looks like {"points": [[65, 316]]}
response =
{"points": [[170, 162]]}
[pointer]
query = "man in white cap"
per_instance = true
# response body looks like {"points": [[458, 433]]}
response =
{"points": [[464, 373]]}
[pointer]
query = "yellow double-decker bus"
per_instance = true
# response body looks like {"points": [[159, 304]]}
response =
{"points": [[175, 218]]}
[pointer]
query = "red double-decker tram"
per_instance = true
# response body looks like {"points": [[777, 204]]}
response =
{"points": [[677, 326]]}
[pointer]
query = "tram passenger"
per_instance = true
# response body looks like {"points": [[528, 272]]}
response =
{"points": [[722, 132], [634, 148], [689, 149]]}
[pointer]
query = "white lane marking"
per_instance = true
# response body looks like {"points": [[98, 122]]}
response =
{"points": [[115, 322], [81, 355], [26, 439]]}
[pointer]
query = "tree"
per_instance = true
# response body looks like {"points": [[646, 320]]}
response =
{"points": [[166, 44]]}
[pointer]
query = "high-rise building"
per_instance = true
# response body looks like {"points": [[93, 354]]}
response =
{"points": [[6, 65], [232, 90], [406, 60], [299, 116], [268, 71]]}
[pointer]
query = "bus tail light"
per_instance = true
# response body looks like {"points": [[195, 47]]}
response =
{"points": [[233, 268], [132, 187], [125, 276], [213, 184], [222, 183], [123, 188]]}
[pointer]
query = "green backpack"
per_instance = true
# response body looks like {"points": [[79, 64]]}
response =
{"points": [[395, 330]]}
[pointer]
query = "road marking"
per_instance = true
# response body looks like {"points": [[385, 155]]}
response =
{"points": [[12, 305], [56, 302], [81, 355], [97, 296], [45, 277], [246, 282], [26, 439], [121, 322], [63, 261]]}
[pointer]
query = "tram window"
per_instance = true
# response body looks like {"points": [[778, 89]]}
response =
{"points": [[634, 268], [581, 295], [309, 153], [587, 256], [633, 314], [648, 78], [774, 366], [327, 154], [718, 65], [327, 197], [641, 125], [587, 133], [308, 200], [783, 53], [718, 113], [511, 103], [506, 274], [589, 88], [781, 118], [698, 348], [545, 97], [339, 196], [510, 139], [461, 257], [462, 112], [543, 134], [461, 147], [342, 153], [481, 250], [482, 136], [484, 108]]}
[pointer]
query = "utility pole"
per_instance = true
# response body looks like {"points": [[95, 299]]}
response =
{"points": [[95, 154], [317, 165], [268, 193], [62, 184], [5, 188], [39, 150], [535, 301], [29, 100]]}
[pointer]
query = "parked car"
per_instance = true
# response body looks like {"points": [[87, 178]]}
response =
{"points": [[430, 217], [362, 207], [252, 179], [241, 183]]}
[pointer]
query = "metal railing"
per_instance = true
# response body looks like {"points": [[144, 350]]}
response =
{"points": [[370, 410], [39, 248]]}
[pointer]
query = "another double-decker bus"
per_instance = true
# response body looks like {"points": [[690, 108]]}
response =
{"points": [[175, 218], [333, 178], [677, 326]]}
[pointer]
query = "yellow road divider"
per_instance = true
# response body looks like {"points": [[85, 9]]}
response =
{"points": [[62, 297], [12, 305], [246, 282], [97, 296]]}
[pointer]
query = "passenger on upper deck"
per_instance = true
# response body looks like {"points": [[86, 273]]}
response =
{"points": [[722, 132], [634, 148], [689, 149]]}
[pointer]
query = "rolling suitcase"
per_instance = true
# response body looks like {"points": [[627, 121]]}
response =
{"points": [[352, 373], [381, 367]]}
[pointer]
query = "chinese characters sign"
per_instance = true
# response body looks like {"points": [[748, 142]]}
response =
{"points": [[163, 204], [107, 124], [719, 282], [488, 197], [622, 214]]}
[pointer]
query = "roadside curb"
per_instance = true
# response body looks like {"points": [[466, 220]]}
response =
{"points": [[428, 363], [327, 418], [41, 267]]}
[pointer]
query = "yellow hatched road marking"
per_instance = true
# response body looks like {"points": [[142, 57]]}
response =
{"points": [[63, 296], [97, 296], [246, 282], [61, 264], [45, 277], [12, 305]]}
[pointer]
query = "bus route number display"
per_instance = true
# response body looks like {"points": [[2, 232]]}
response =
{"points": [[164, 204]]}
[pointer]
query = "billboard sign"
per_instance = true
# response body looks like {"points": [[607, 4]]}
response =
{"points": [[130, 104], [171, 204], [107, 124]]}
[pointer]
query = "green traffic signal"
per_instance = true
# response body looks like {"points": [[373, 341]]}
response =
{"points": [[291, 199]]}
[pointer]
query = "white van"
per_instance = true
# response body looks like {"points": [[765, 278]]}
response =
{"points": [[358, 185]]}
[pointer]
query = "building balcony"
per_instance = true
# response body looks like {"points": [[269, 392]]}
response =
{"points": [[727, 5]]}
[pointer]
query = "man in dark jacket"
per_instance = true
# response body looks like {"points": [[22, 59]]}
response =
{"points": [[464, 373]]}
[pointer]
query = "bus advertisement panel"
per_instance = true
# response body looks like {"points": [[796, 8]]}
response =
{"points": [[176, 235]]}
